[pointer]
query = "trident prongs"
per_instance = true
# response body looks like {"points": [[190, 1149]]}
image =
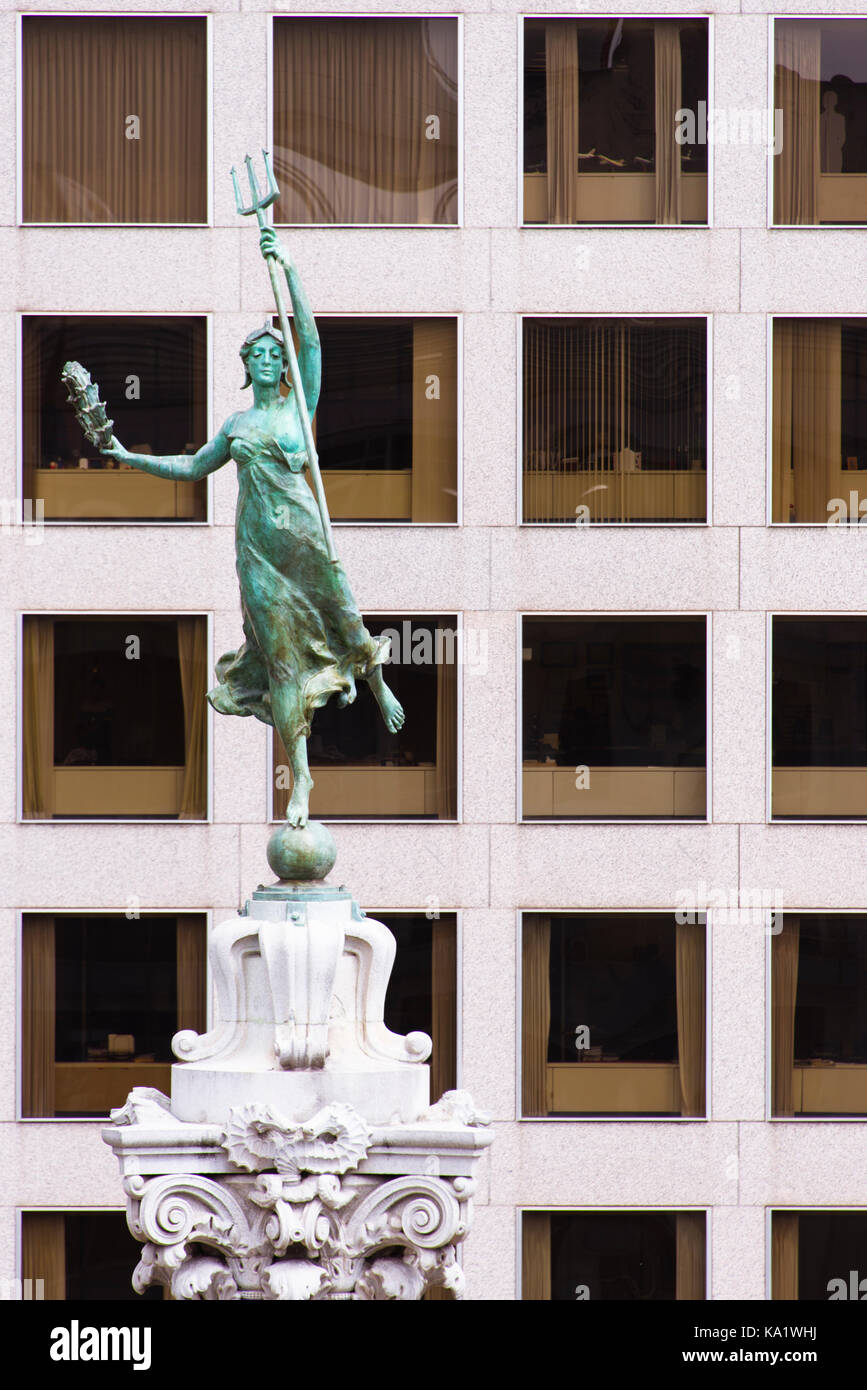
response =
{"points": [[260, 201]]}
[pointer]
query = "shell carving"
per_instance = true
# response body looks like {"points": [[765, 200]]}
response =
{"points": [[334, 1140]]}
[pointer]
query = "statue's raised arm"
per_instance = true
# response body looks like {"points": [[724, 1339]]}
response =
{"points": [[309, 349]]}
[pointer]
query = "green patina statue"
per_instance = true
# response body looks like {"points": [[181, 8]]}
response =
{"points": [[304, 639]]}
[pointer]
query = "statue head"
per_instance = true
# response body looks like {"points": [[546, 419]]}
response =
{"points": [[266, 331]]}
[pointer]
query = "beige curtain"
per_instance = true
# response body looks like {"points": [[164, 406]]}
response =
{"points": [[444, 969], [37, 716], [577, 417], [43, 1251], [807, 418], [447, 735], [193, 657], [667, 88], [535, 1013], [797, 58], [690, 1245], [785, 952], [191, 953], [536, 1256], [82, 80], [784, 1256], [561, 101], [356, 102], [690, 974], [434, 420], [37, 1015]]}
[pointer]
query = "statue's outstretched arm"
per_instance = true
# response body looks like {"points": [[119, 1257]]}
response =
{"points": [[187, 467], [309, 351]]}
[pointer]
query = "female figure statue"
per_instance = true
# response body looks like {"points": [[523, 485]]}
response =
{"points": [[304, 639]]}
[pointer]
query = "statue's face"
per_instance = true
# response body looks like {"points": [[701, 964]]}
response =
{"points": [[265, 361]]}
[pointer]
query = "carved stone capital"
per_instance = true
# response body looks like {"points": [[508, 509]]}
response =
{"points": [[325, 1237]]}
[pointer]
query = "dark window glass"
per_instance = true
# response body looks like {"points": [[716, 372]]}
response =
{"points": [[819, 718], [617, 694], [819, 994], [617, 977], [422, 992], [152, 375], [115, 977], [102, 998], [853, 405], [613, 1015], [831, 1010], [104, 703], [409, 1000], [819, 1256], [831, 1245], [615, 420], [100, 1258], [386, 424], [626, 1256], [114, 717]]}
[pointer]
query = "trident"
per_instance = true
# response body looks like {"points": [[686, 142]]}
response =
{"points": [[260, 202]]}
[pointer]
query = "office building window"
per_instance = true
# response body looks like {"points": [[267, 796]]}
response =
{"points": [[152, 374], [114, 717], [819, 1256], [819, 718], [614, 718], [114, 119], [102, 997], [613, 1010], [366, 120], [819, 420], [359, 769], [626, 1256], [422, 992], [615, 420], [86, 1256], [819, 1015], [387, 421], [615, 120], [820, 139]]}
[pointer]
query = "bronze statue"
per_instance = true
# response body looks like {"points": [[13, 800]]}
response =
{"points": [[304, 639]]}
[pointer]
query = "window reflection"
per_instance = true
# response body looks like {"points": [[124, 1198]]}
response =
{"points": [[365, 120], [820, 87], [602, 109]]}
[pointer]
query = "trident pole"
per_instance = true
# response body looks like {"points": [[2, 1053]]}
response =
{"points": [[260, 202]]}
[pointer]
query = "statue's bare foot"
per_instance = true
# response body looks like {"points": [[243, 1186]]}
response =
{"points": [[298, 810], [391, 708]]}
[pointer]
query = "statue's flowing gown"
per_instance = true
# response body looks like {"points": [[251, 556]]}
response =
{"points": [[302, 629]]}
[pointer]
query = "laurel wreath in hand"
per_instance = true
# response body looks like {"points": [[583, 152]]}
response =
{"points": [[89, 409]]}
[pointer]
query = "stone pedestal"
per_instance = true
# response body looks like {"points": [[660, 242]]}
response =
{"points": [[298, 1157]]}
